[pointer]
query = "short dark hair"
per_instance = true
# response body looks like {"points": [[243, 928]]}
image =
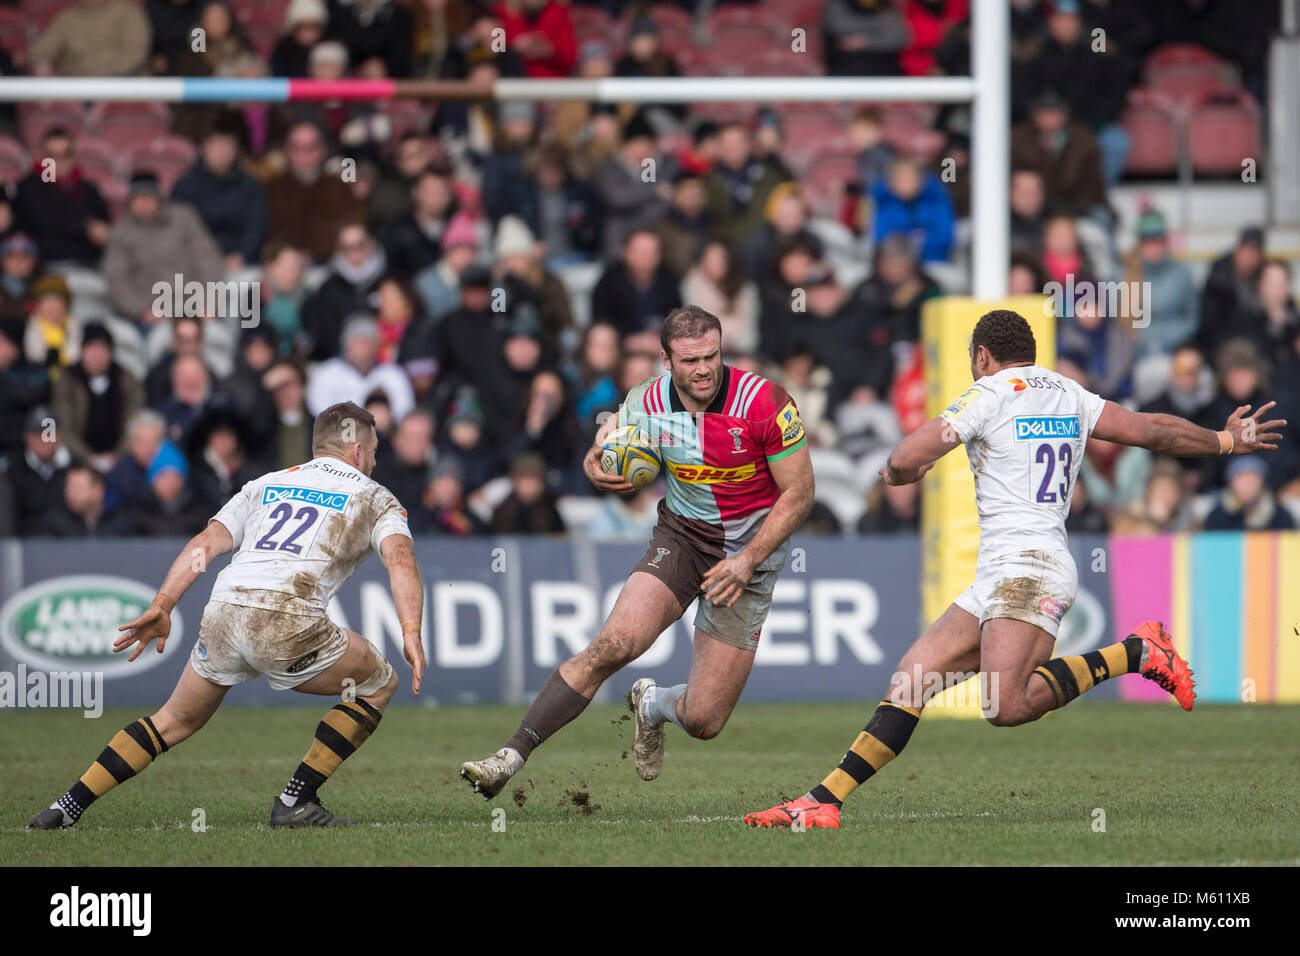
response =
{"points": [[1006, 335], [329, 434], [687, 322]]}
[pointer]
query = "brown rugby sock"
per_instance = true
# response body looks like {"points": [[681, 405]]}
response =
{"points": [[555, 706]]}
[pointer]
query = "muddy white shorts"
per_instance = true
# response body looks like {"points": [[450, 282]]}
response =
{"points": [[1036, 587], [237, 643]]}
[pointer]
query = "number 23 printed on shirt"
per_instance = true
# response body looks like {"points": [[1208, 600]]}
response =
{"points": [[1049, 472]]}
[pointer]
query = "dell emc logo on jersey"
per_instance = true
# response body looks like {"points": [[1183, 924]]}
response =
{"points": [[1047, 426], [335, 501]]}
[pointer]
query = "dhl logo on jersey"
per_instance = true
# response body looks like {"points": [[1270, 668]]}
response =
{"points": [[707, 474]]}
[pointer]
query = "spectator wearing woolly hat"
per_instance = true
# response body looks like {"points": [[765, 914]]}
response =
{"points": [[1172, 306], [18, 259], [438, 285], [357, 373], [304, 26], [1247, 504], [53, 337], [94, 398], [23, 385], [373, 30], [464, 442], [230, 202], [37, 473], [628, 200], [525, 279], [155, 241], [529, 508], [444, 501]]}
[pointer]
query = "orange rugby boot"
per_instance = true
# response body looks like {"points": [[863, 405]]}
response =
{"points": [[1164, 665], [814, 814]]}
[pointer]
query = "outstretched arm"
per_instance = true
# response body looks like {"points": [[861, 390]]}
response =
{"points": [[156, 622], [1171, 435], [398, 554], [917, 452]]}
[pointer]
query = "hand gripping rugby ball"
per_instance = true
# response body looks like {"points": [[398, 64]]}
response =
{"points": [[631, 452]]}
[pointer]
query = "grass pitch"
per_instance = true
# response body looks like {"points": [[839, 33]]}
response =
{"points": [[1216, 786]]}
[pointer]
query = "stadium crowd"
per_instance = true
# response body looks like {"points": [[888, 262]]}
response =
{"points": [[488, 279]]}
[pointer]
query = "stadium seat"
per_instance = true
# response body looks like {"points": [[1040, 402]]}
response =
{"points": [[1188, 83], [726, 112], [41, 12], [1221, 135], [100, 162], [35, 118], [828, 174], [665, 15], [919, 141], [1181, 53], [127, 125], [15, 33], [744, 44], [591, 19], [168, 157], [1154, 135], [782, 62]]}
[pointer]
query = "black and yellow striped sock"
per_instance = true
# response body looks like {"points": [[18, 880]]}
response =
{"points": [[130, 751], [1068, 677], [345, 728], [883, 739]]}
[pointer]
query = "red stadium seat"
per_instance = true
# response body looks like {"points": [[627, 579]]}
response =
{"points": [[827, 175], [1153, 131], [778, 63], [675, 40], [35, 118], [921, 141], [14, 161], [745, 16], [169, 157], [15, 32], [745, 43], [127, 125], [665, 16], [99, 161], [592, 18], [727, 112], [1172, 53], [1188, 83], [1221, 135]]}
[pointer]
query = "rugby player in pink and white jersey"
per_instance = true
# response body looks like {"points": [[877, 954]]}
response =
{"points": [[740, 482]]}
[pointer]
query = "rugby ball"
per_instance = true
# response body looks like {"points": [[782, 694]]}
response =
{"points": [[631, 452]]}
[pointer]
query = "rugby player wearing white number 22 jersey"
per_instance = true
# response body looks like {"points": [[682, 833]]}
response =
{"points": [[300, 533], [1025, 429]]}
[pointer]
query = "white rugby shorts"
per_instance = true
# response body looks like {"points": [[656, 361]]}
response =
{"points": [[1036, 587], [236, 643]]}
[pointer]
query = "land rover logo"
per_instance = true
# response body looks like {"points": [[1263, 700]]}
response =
{"points": [[70, 623]]}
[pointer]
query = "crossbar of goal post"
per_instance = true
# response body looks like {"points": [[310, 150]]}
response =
{"points": [[988, 92]]}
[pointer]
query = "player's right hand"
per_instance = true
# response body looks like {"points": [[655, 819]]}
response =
{"points": [[153, 623], [596, 475], [1249, 434], [413, 648]]}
